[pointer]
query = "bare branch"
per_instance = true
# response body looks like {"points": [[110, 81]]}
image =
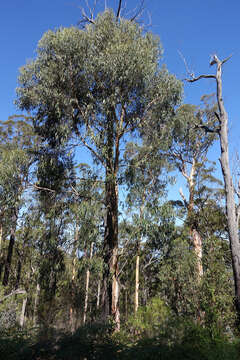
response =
{"points": [[225, 60], [42, 188], [15, 292], [183, 197], [119, 9], [92, 150], [207, 129], [138, 12], [190, 73], [193, 79], [88, 18]]}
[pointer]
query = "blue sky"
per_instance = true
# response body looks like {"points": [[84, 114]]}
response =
{"points": [[195, 28]]}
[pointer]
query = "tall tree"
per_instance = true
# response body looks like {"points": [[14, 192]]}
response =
{"points": [[17, 141], [231, 208], [189, 155], [97, 86]]}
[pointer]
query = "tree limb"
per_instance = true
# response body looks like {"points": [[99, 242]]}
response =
{"points": [[119, 9], [193, 79], [15, 292]]}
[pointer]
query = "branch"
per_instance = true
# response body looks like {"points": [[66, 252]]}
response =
{"points": [[92, 150], [86, 18], [139, 12], [119, 9], [42, 188], [193, 79], [225, 60], [15, 292], [183, 197], [207, 129]]}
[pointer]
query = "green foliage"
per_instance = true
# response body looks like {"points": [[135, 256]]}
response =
{"points": [[97, 343], [150, 319]]}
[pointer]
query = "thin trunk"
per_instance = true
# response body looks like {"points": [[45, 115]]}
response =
{"points": [[19, 269], [22, 316], [10, 249], [98, 294], [87, 287], [1, 249], [137, 269], [9, 259], [126, 304], [36, 302], [194, 234], [72, 314], [1, 237], [136, 283]]}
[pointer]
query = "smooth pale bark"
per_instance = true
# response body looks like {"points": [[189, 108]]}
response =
{"points": [[74, 261], [136, 302], [36, 302], [229, 189], [87, 287], [228, 182], [15, 292], [194, 234], [98, 293], [22, 316]]}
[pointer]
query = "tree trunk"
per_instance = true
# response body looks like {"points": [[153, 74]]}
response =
{"points": [[22, 316], [98, 293], [74, 254], [36, 301], [136, 282], [87, 287], [10, 249], [228, 183], [229, 189], [1, 249], [110, 293], [194, 234]]}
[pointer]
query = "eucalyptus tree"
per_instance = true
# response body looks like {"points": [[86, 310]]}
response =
{"points": [[232, 210], [95, 87], [189, 154], [146, 184], [17, 142]]}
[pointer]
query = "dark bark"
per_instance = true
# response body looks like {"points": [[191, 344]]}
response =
{"points": [[10, 249], [110, 293]]}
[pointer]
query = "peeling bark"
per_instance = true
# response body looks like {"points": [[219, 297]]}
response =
{"points": [[110, 293]]}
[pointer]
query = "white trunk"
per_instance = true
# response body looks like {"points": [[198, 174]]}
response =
{"points": [[87, 288], [136, 285], [22, 316], [36, 301], [98, 293]]}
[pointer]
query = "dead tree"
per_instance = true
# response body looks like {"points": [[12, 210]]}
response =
{"points": [[231, 208]]}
